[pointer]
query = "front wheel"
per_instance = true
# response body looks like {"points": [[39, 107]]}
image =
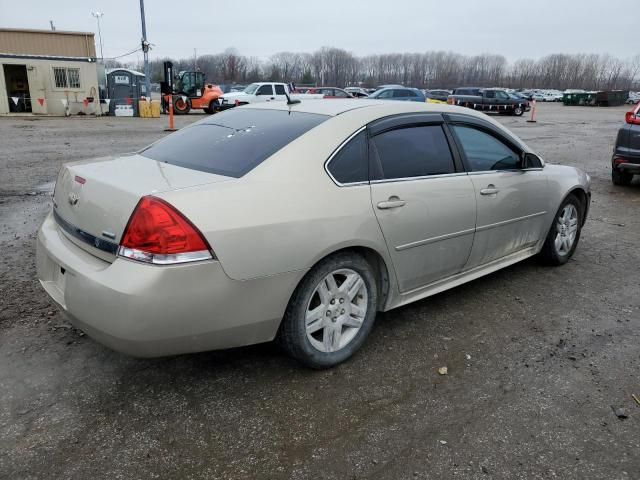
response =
{"points": [[621, 178], [518, 111], [331, 312], [564, 234], [181, 106]]}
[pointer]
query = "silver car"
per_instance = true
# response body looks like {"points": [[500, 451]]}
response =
{"points": [[297, 223]]}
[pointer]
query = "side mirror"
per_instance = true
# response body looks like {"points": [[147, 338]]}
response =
{"points": [[530, 160]]}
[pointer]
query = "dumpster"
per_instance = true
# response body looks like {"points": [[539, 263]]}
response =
{"points": [[580, 98], [125, 87], [612, 98]]}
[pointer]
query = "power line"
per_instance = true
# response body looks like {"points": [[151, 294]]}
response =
{"points": [[125, 54]]}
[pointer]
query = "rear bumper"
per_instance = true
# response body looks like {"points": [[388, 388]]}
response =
{"points": [[626, 163], [146, 310]]}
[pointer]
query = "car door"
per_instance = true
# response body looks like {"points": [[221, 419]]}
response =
{"points": [[422, 198], [511, 202], [265, 93], [280, 92]]}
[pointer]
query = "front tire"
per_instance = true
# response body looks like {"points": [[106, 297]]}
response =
{"points": [[518, 111], [563, 237], [331, 312], [181, 106], [621, 178]]}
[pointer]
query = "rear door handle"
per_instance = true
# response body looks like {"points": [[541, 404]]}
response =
{"points": [[393, 202]]}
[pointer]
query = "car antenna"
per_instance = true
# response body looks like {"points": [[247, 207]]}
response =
{"points": [[289, 101]]}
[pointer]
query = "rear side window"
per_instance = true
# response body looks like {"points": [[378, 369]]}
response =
{"points": [[280, 90], [484, 152], [350, 164], [234, 142], [413, 152]]}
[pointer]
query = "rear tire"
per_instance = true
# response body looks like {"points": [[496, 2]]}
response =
{"points": [[621, 178], [564, 233], [211, 109], [331, 312]]}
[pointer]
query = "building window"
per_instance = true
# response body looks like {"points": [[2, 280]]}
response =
{"points": [[73, 75], [66, 77]]}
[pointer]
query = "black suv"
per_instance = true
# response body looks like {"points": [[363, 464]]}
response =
{"points": [[625, 162]]}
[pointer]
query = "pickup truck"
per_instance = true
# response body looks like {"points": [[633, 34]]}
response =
{"points": [[261, 92], [488, 99]]}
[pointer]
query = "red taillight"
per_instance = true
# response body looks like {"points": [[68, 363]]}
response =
{"points": [[158, 233], [633, 117]]}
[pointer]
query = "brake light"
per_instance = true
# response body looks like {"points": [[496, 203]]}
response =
{"points": [[158, 233], [633, 117]]}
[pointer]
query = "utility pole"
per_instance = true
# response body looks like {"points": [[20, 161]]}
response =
{"points": [[97, 16], [145, 49], [195, 60], [53, 27]]}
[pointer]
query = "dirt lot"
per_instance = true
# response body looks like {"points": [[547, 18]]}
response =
{"points": [[550, 351]]}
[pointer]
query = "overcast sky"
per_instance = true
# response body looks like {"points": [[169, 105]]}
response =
{"points": [[513, 28]]}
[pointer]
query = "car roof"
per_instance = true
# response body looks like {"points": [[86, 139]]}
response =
{"points": [[339, 106]]}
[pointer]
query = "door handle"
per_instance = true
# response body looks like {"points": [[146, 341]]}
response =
{"points": [[490, 190], [393, 202], [273, 98]]}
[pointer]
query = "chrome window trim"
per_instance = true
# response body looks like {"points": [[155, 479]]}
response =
{"points": [[422, 177], [335, 152]]}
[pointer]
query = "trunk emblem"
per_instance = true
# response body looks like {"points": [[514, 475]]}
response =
{"points": [[73, 198]]}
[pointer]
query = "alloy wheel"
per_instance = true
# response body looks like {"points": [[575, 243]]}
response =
{"points": [[336, 310]]}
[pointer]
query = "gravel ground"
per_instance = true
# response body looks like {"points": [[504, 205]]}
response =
{"points": [[537, 356]]}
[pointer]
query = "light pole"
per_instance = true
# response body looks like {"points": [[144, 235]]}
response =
{"points": [[97, 15], [145, 50]]}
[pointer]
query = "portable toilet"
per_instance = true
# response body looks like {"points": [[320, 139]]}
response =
{"points": [[124, 89]]}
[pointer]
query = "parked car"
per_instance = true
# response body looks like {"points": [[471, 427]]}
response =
{"points": [[520, 97], [543, 96], [634, 97], [260, 92], [329, 92], [625, 162], [297, 222], [357, 92], [488, 99], [399, 93], [440, 95]]}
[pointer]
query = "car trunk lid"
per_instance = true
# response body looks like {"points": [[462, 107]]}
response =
{"points": [[94, 201]]}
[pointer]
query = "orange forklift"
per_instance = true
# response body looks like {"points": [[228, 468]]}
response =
{"points": [[188, 90]]}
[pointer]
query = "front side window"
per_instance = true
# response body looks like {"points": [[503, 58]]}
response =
{"points": [[234, 142], [412, 152], [340, 94], [502, 95], [490, 94], [385, 94], [265, 90], [280, 90], [350, 164], [484, 152]]}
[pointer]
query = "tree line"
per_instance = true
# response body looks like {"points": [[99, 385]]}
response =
{"points": [[434, 69]]}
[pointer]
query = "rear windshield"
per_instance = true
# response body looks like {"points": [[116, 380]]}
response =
{"points": [[234, 142]]}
